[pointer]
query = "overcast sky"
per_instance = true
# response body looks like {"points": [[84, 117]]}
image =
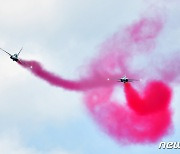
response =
{"points": [[36, 118]]}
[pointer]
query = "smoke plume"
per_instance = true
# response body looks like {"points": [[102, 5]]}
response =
{"points": [[145, 116]]}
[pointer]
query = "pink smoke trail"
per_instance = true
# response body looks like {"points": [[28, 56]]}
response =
{"points": [[140, 121], [146, 117], [55, 80]]}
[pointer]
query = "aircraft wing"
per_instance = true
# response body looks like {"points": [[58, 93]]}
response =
{"points": [[6, 51], [20, 51], [119, 80], [131, 80]]}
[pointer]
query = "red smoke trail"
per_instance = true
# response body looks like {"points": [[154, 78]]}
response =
{"points": [[145, 120], [146, 117], [55, 80]]}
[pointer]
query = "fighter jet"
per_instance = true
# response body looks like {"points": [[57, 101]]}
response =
{"points": [[125, 79], [14, 57]]}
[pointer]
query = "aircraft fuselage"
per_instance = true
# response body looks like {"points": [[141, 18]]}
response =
{"points": [[124, 80], [14, 57]]}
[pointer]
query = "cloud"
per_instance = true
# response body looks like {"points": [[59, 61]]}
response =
{"points": [[12, 143], [25, 12]]}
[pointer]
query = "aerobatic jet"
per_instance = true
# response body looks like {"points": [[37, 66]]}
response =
{"points": [[125, 79], [14, 57]]}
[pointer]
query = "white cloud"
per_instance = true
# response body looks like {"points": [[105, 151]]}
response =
{"points": [[25, 97], [27, 12], [11, 143]]}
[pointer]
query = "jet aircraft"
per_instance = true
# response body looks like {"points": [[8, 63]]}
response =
{"points": [[124, 79], [14, 57]]}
